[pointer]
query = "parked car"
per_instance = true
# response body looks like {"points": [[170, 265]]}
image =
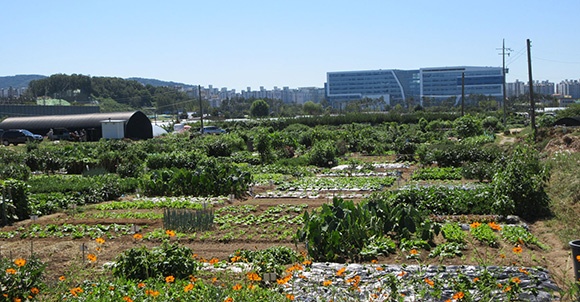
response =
{"points": [[19, 136], [213, 130]]}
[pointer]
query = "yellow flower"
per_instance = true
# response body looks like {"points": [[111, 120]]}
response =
{"points": [[170, 233], [327, 283], [11, 271], [516, 280], [237, 286], [92, 257], [100, 240], [517, 249], [251, 286], [137, 236], [20, 262], [340, 272], [169, 279], [307, 262], [235, 259], [188, 287]]}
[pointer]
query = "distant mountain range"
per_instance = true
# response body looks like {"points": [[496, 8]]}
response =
{"points": [[22, 80]]}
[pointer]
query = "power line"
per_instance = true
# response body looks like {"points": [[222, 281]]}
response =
{"points": [[556, 61]]}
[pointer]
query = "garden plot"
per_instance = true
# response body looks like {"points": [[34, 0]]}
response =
{"points": [[325, 187]]}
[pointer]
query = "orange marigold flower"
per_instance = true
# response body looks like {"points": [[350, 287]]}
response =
{"points": [[507, 289], [307, 262], [100, 240], [20, 262], [523, 270], [254, 277], [327, 283], [214, 280], [380, 268], [414, 252], [251, 286], [302, 276], [61, 278], [237, 287], [235, 259], [188, 287], [214, 260], [170, 233], [169, 279], [499, 285], [111, 288], [92, 257], [127, 299], [141, 285], [192, 278], [374, 261], [152, 293], [137, 236], [10, 271], [578, 258], [475, 225], [502, 255], [494, 226], [518, 249], [458, 296], [402, 273], [341, 271], [290, 297], [34, 291], [475, 279], [76, 291], [516, 280], [17, 300], [429, 281], [229, 299]]}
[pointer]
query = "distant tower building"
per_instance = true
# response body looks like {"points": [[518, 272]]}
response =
{"points": [[569, 88], [543, 87], [515, 89]]}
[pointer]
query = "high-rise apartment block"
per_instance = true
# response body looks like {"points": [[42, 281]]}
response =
{"points": [[396, 86], [570, 88]]}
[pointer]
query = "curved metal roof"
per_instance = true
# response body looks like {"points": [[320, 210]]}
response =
{"points": [[568, 121], [137, 123]]}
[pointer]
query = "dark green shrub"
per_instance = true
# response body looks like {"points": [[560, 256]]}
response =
{"points": [[15, 201], [14, 171], [518, 186], [176, 159], [323, 154], [166, 260]]}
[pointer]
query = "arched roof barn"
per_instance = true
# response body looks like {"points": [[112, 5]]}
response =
{"points": [[568, 121], [137, 124]]}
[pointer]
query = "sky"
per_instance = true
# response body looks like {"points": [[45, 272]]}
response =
{"points": [[240, 44]]}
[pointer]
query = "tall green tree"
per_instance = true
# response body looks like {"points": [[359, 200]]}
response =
{"points": [[260, 108]]}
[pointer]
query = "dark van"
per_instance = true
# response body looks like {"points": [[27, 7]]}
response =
{"points": [[19, 136]]}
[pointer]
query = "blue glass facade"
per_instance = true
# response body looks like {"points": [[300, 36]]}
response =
{"points": [[400, 85]]}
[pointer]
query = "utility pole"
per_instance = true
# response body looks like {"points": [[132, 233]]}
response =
{"points": [[462, 93], [200, 107], [532, 103], [504, 71]]}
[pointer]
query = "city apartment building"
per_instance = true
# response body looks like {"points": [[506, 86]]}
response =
{"points": [[398, 86], [569, 88]]}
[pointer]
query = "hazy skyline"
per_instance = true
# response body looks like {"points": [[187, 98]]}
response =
{"points": [[283, 43]]}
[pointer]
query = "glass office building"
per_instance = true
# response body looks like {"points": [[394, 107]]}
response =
{"points": [[399, 86]]}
